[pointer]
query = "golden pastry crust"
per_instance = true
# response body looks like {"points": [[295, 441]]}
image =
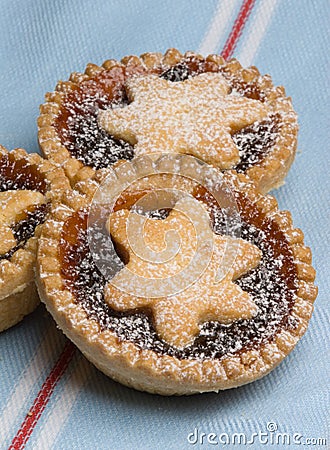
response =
{"points": [[269, 172], [18, 305], [145, 369], [177, 317], [205, 112], [18, 295]]}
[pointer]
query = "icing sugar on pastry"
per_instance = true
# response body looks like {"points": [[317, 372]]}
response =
{"points": [[14, 204], [199, 351], [195, 116], [177, 317]]}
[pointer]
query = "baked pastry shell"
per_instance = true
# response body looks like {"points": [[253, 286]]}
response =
{"points": [[144, 369], [18, 293], [269, 173]]}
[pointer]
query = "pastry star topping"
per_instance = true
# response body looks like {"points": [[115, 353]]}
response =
{"points": [[13, 207], [195, 116], [177, 317]]}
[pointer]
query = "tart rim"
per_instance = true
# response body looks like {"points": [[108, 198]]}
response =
{"points": [[17, 271], [269, 173], [145, 369]]}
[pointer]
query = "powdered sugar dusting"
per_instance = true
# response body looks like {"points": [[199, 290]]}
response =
{"points": [[271, 286], [255, 141], [180, 287], [22, 203], [24, 229], [195, 117], [86, 141]]}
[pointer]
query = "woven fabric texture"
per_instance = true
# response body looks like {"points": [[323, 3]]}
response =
{"points": [[77, 406]]}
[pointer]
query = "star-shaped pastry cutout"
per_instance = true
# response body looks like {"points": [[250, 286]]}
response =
{"points": [[177, 318], [13, 206], [196, 116]]}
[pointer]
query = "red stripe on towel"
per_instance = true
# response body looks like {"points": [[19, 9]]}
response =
{"points": [[42, 398], [237, 29], [67, 354]]}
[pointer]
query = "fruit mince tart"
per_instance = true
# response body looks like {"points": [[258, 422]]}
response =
{"points": [[226, 115], [28, 186], [181, 294]]}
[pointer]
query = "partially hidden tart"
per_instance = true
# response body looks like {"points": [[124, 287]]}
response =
{"points": [[216, 333], [28, 186], [226, 115]]}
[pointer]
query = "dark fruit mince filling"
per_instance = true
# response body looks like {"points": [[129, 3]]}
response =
{"points": [[77, 122], [25, 228], [80, 134], [255, 141], [19, 175], [272, 285]]}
